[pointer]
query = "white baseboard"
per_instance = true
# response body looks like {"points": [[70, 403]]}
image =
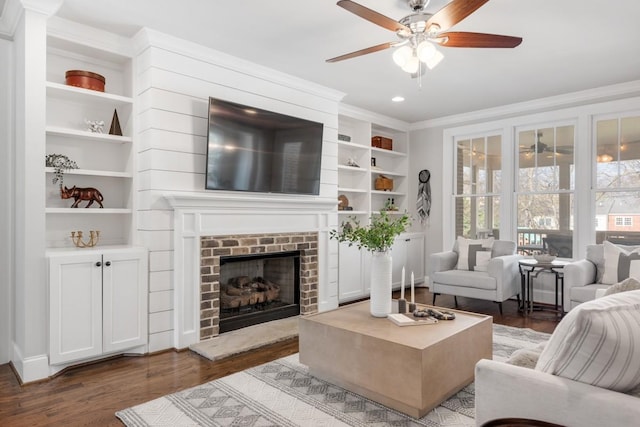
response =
{"points": [[424, 283], [30, 369]]}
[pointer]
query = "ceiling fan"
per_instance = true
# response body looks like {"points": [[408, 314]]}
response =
{"points": [[540, 147], [421, 31]]}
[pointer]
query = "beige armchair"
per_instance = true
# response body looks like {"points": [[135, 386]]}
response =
{"points": [[499, 281]]}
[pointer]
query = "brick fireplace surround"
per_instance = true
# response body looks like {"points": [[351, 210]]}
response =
{"points": [[213, 247]]}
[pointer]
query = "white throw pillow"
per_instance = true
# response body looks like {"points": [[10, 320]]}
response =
{"points": [[628, 284], [598, 343], [619, 263], [468, 250]]}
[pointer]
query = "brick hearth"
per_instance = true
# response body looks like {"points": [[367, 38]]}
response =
{"points": [[213, 247]]}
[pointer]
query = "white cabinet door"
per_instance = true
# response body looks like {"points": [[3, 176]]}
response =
{"points": [[354, 273], [75, 307], [124, 300], [399, 260], [415, 257], [350, 277], [408, 252]]}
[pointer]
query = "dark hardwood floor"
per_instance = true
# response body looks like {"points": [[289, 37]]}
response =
{"points": [[91, 394]]}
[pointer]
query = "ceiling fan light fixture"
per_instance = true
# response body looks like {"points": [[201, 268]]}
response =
{"points": [[425, 51], [401, 55], [412, 65], [434, 60]]}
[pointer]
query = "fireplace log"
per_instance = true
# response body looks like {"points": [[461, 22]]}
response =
{"points": [[242, 291]]}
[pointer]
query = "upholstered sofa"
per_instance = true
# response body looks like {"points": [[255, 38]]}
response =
{"points": [[586, 375], [498, 279], [508, 391], [584, 277]]}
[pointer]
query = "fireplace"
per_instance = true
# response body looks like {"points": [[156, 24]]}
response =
{"points": [[279, 267], [258, 288]]}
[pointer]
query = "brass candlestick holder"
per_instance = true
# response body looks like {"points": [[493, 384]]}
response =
{"points": [[94, 237]]}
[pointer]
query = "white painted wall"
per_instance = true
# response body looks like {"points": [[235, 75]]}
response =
{"points": [[426, 153], [6, 195], [175, 80]]}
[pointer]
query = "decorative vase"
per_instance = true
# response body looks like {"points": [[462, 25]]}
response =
{"points": [[380, 293]]}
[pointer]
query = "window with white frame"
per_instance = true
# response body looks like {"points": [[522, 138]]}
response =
{"points": [[478, 181], [623, 221], [617, 176], [545, 176]]}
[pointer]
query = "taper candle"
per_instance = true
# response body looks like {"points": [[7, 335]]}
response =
{"points": [[413, 294], [402, 285]]}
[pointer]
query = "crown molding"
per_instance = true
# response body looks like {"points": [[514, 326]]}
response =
{"points": [[9, 18], [362, 114], [13, 11], [599, 94], [147, 37], [46, 7], [77, 33]]}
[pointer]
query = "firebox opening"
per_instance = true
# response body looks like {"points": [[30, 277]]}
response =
{"points": [[258, 288]]}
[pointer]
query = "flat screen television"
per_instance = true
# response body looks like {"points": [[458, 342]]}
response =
{"points": [[250, 149]]}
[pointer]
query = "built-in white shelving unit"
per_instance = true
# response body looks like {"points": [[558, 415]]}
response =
{"points": [[357, 184], [105, 162], [97, 296]]}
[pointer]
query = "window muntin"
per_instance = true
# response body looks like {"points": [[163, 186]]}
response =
{"points": [[617, 167], [544, 189], [477, 186], [618, 153]]}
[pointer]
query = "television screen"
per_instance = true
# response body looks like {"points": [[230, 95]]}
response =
{"points": [[249, 149]]}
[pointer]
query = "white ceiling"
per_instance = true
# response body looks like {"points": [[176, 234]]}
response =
{"points": [[568, 46]]}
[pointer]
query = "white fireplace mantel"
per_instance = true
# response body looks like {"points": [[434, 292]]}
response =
{"points": [[222, 213], [250, 201]]}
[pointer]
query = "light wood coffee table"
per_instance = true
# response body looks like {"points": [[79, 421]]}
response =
{"points": [[408, 368]]}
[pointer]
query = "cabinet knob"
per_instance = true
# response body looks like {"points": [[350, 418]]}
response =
{"points": [[108, 263], [98, 264]]}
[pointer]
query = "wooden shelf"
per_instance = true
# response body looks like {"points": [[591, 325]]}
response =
{"points": [[351, 190], [387, 172], [352, 169], [352, 212], [398, 212], [353, 145], [90, 172], [76, 94], [88, 136], [89, 211], [387, 152], [387, 193]]}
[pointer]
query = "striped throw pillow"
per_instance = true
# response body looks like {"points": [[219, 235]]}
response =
{"points": [[598, 343], [469, 252], [619, 263]]}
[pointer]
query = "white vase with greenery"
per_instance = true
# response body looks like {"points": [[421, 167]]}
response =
{"points": [[376, 237]]}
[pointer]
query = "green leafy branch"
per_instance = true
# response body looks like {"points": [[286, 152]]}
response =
{"points": [[378, 236]]}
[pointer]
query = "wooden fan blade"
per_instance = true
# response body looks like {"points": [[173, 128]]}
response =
{"points": [[373, 16], [361, 52], [464, 39], [454, 12]]}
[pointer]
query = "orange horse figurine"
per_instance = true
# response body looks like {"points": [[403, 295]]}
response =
{"points": [[79, 194]]}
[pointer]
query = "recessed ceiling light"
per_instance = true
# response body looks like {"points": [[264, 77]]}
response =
{"points": [[397, 99]]}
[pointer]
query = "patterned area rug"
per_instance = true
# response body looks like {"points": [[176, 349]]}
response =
{"points": [[282, 393]]}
